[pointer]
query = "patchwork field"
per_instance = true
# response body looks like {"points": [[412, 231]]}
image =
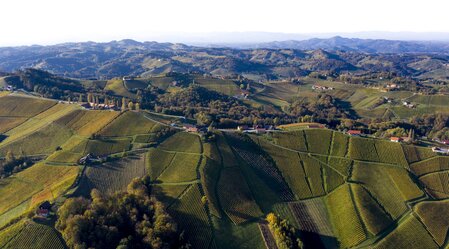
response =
{"points": [[38, 180], [112, 176], [339, 191]]}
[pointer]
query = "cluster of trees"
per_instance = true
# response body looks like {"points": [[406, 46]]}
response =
{"points": [[12, 164], [212, 107], [285, 235], [432, 125], [46, 84], [130, 219], [323, 108]]}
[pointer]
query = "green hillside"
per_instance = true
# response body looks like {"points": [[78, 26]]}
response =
{"points": [[337, 191]]}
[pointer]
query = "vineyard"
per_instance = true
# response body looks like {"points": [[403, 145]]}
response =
{"points": [[268, 238], [430, 165], [312, 217], [21, 106], [371, 212], [382, 187], [436, 184], [112, 176], [183, 168], [235, 196], [192, 216], [43, 141], [318, 140], [86, 123], [339, 146], [182, 142], [344, 218], [7, 123], [339, 191], [293, 140], [434, 216], [409, 234], [128, 124], [415, 154], [35, 235]]}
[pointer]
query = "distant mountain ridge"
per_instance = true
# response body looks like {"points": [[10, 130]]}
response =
{"points": [[262, 61], [354, 44]]}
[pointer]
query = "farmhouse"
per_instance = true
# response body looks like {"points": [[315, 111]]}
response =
{"points": [[190, 128], [395, 139], [440, 150], [323, 88], [44, 209], [354, 132], [408, 104]]}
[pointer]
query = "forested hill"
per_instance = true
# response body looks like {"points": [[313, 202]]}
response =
{"points": [[275, 60]]}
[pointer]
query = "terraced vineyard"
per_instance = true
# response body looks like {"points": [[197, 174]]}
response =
{"points": [[338, 191], [35, 235], [112, 176]]}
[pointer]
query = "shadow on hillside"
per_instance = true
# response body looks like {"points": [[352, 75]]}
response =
{"points": [[314, 240], [346, 105]]}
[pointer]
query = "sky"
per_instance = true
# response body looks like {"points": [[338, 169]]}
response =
{"points": [[26, 22]]}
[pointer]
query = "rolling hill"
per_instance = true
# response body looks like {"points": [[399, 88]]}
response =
{"points": [[337, 191]]}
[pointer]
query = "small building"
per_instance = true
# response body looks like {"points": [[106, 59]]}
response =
{"points": [[395, 139], [354, 132], [190, 128], [242, 127], [322, 88], [440, 150], [44, 209]]}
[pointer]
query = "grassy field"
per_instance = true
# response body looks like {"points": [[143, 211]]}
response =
{"points": [[118, 88], [434, 216], [409, 234], [226, 87]]}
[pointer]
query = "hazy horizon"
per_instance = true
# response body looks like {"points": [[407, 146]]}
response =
{"points": [[26, 22]]}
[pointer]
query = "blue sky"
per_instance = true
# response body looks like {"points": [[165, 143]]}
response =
{"points": [[53, 21]]}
